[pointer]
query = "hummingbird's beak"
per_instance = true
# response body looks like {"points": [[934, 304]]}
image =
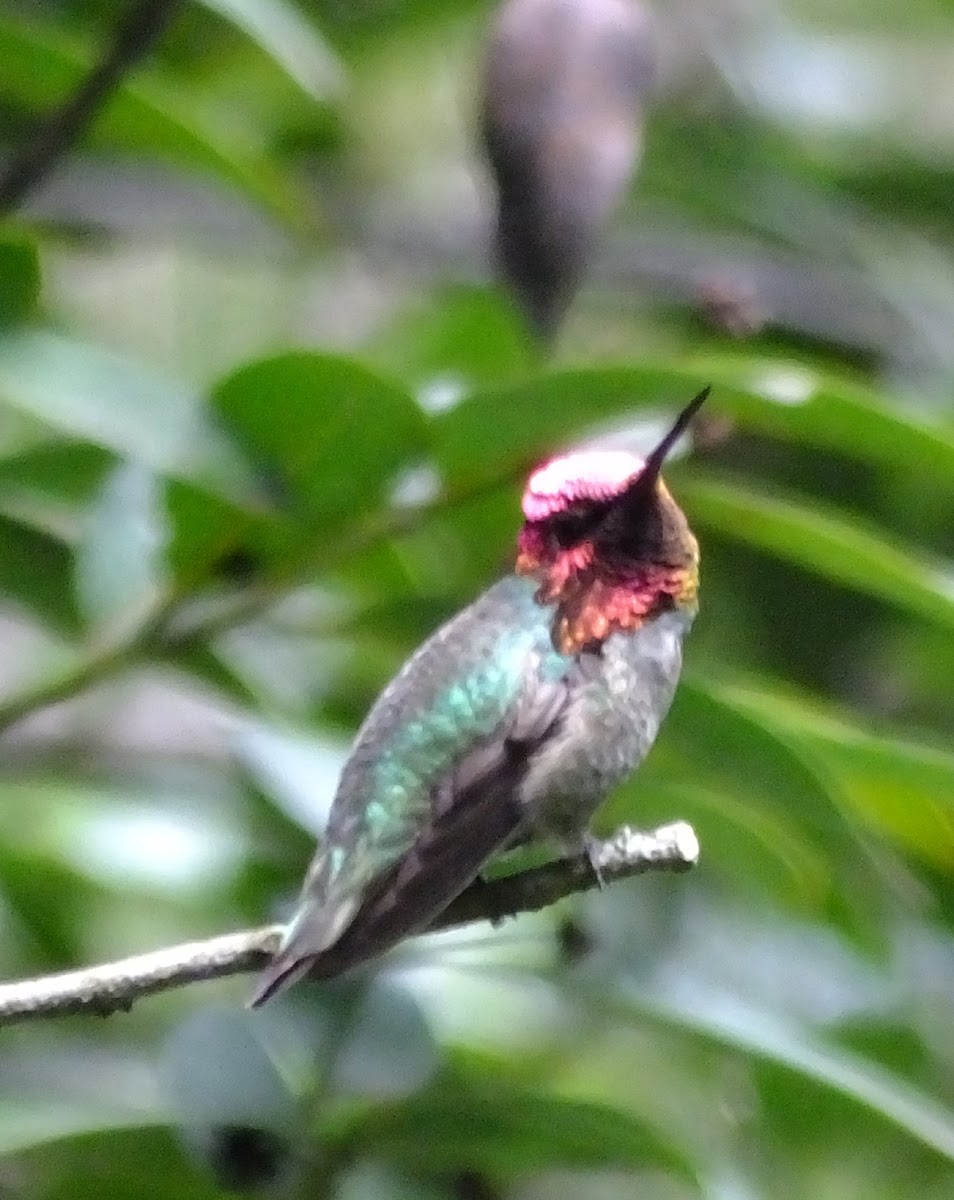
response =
{"points": [[644, 485]]}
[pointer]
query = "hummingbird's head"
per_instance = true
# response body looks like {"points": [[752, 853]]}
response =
{"points": [[606, 540]]}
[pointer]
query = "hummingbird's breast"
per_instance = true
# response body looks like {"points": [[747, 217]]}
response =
{"points": [[620, 698]]}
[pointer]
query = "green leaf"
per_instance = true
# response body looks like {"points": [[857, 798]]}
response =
{"points": [[95, 396], [464, 338], [214, 1071], [389, 1050], [498, 1127], [295, 770], [113, 1158], [729, 1021], [27, 1125], [498, 430], [825, 542], [753, 797], [148, 116], [121, 571], [19, 280], [335, 434], [35, 573], [288, 37], [49, 485], [899, 787]]}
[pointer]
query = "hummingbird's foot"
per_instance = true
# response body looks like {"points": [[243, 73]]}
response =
{"points": [[592, 848]]}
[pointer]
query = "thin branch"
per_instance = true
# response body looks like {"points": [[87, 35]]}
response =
{"points": [[59, 131], [112, 987]]}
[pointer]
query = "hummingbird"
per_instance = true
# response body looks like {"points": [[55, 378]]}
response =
{"points": [[514, 720]]}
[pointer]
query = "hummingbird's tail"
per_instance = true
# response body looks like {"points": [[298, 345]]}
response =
{"points": [[313, 930], [286, 968]]}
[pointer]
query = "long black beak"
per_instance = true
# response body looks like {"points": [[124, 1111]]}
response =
{"points": [[644, 485]]}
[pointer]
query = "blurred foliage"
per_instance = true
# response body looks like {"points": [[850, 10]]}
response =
{"points": [[263, 421]]}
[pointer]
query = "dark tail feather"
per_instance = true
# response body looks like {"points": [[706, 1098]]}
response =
{"points": [[286, 968]]}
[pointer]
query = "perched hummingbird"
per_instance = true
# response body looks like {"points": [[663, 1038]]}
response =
{"points": [[514, 720]]}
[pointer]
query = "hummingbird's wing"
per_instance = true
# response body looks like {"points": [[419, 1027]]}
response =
{"points": [[431, 791]]}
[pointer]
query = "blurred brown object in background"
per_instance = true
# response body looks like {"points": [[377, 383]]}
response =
{"points": [[564, 86], [731, 302]]}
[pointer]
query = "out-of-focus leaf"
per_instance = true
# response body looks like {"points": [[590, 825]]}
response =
{"points": [[901, 787], [121, 572], [62, 470], [468, 338], [102, 398], [336, 434], [214, 1071], [36, 574], [287, 36], [715, 743], [49, 485], [19, 280], [491, 431], [25, 1125], [204, 531], [293, 768], [498, 1127], [828, 543], [146, 116], [389, 1050], [116, 1160], [35, 887], [726, 1020]]}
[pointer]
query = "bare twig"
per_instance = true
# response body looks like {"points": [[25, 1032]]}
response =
{"points": [[61, 129], [112, 987]]}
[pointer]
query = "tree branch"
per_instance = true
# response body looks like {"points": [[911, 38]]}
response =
{"points": [[112, 987], [61, 129]]}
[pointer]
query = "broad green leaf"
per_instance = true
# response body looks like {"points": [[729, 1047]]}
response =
{"points": [[290, 38], [214, 1071], [712, 741], [335, 434], [389, 1050], [49, 485], [298, 772], [113, 1159], [35, 575], [728, 1021], [748, 789], [900, 787], [845, 550], [507, 1130], [121, 569], [506, 428], [147, 116], [99, 397], [467, 337], [19, 280]]}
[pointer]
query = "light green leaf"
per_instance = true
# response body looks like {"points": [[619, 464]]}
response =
{"points": [[96, 396], [287, 36], [729, 1021], [121, 570], [901, 787]]}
